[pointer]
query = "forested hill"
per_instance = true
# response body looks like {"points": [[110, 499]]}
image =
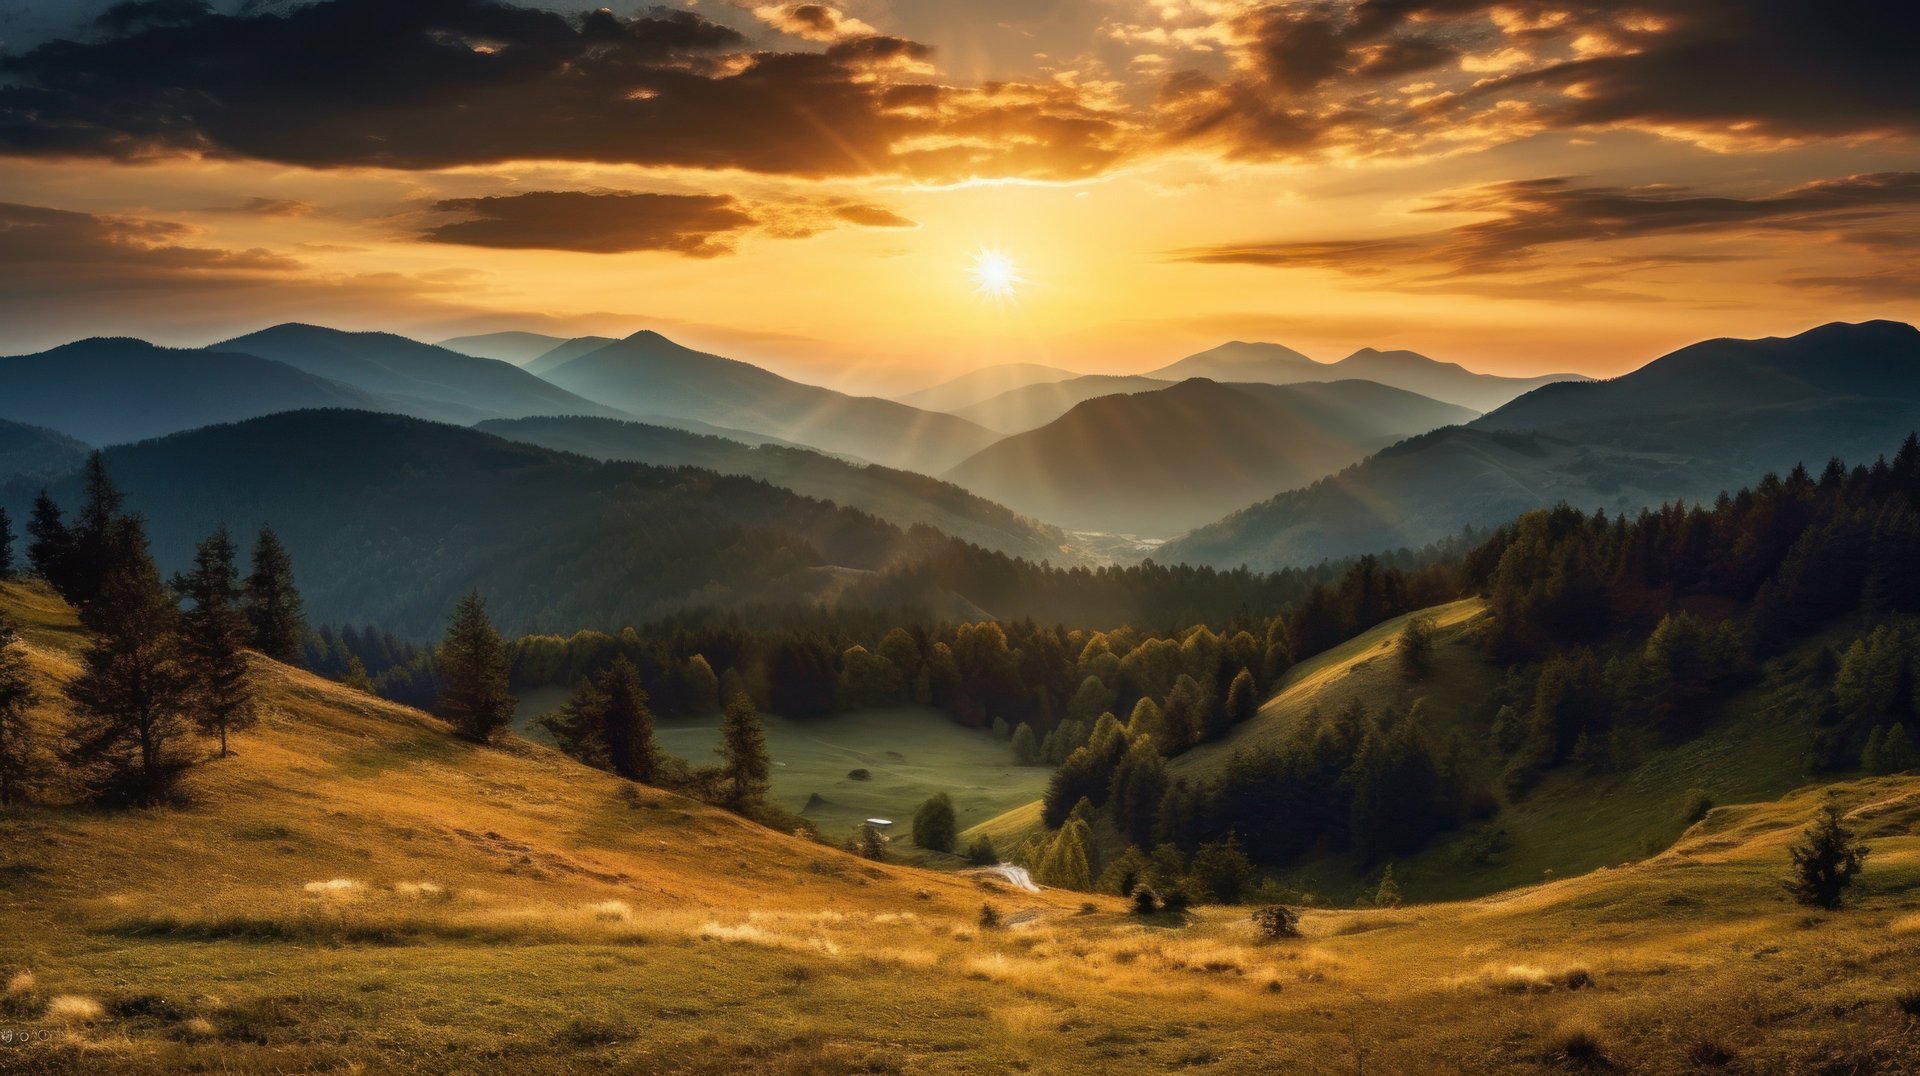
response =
{"points": [[900, 497], [390, 519]]}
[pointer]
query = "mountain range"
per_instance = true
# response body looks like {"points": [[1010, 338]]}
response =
{"points": [[902, 498], [108, 391], [648, 374], [518, 348], [983, 384], [1157, 463], [418, 379], [1686, 426]]}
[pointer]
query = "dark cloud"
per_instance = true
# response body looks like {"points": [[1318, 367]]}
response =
{"points": [[1519, 250], [1323, 75], [617, 222], [700, 225], [48, 251], [440, 83], [1527, 216]]}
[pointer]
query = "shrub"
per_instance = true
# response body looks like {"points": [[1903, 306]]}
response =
{"points": [[1276, 921], [1696, 806], [980, 853], [859, 775], [1176, 901], [1145, 901], [1577, 1042], [1709, 1054], [989, 917], [934, 827], [868, 842]]}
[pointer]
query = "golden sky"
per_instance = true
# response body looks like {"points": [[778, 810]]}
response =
{"points": [[1519, 187]]}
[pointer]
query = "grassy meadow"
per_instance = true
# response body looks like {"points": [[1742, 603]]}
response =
{"points": [[355, 890]]}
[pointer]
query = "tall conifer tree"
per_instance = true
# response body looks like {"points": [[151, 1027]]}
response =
{"points": [[273, 603], [743, 748], [215, 633], [474, 661]]}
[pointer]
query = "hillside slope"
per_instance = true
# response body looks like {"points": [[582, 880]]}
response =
{"points": [[112, 391], [518, 348], [647, 374], [1157, 463], [356, 889], [423, 380], [899, 497]]}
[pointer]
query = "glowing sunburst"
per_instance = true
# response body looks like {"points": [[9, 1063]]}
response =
{"points": [[994, 274]]}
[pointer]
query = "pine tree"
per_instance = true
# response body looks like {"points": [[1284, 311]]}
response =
{"points": [[133, 691], [1139, 785], [934, 827], [474, 661], [214, 634], [273, 603], [95, 539], [746, 766], [1825, 862], [50, 554], [579, 726], [629, 724], [18, 753], [1387, 893], [980, 853], [6, 546], [1065, 864]]}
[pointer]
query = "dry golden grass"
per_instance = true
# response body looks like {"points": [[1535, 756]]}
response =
{"points": [[504, 910]]}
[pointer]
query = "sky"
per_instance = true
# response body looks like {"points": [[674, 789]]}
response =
{"points": [[1522, 187]]}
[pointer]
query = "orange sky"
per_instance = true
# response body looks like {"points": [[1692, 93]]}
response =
{"points": [[1522, 188]]}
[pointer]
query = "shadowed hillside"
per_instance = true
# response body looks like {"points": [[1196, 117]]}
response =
{"points": [[36, 453], [974, 386]]}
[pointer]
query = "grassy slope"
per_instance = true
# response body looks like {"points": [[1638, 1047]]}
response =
{"points": [[736, 949], [1572, 823]]}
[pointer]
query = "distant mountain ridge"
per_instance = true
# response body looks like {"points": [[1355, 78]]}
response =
{"points": [[516, 347], [1695, 422], [646, 373], [423, 380], [1279, 365], [984, 384], [1157, 463], [107, 391]]}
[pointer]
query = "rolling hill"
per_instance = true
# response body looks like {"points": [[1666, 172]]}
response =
{"points": [[648, 374], [1277, 365], [1689, 425], [111, 391], [353, 886], [518, 348], [36, 453], [977, 385], [420, 379], [1157, 463], [899, 497]]}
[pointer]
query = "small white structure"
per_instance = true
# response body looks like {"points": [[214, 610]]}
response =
{"points": [[879, 823]]}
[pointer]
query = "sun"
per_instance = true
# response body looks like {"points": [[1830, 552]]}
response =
{"points": [[994, 274]]}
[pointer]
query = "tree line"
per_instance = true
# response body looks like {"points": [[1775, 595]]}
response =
{"points": [[154, 674]]}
